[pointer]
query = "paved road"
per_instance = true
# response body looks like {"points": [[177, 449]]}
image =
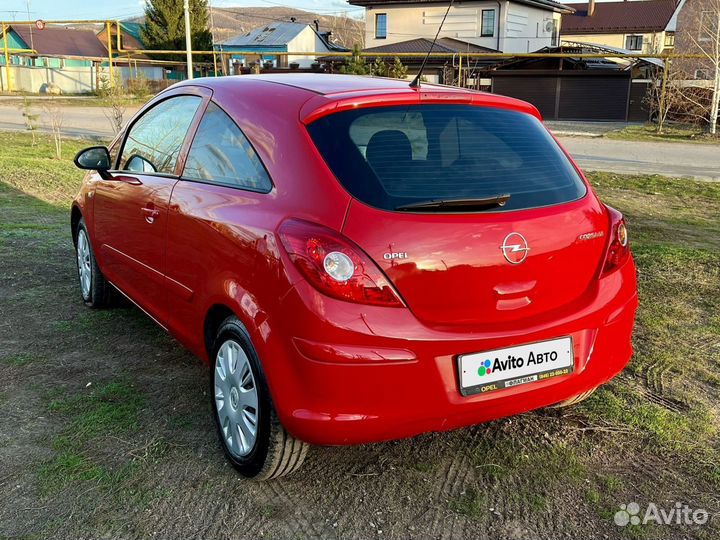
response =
{"points": [[84, 122], [592, 153], [666, 158]]}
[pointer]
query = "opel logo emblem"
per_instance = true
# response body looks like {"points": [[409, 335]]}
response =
{"points": [[515, 248]]}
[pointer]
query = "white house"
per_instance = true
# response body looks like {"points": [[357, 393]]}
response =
{"points": [[503, 25], [263, 43]]}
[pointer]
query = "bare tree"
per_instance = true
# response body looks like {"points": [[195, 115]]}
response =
{"points": [[347, 31], [114, 94], [699, 31], [675, 98], [30, 117], [55, 119]]}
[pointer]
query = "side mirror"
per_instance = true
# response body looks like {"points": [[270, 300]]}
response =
{"points": [[95, 158]]}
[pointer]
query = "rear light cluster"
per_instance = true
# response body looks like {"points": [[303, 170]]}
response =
{"points": [[334, 266], [619, 247]]}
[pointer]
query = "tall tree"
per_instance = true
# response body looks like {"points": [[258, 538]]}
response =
{"points": [[699, 33], [165, 27]]}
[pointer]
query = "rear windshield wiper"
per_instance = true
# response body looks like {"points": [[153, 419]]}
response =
{"points": [[482, 203]]}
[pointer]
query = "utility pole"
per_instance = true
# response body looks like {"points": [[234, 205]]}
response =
{"points": [[188, 40], [212, 36], [32, 43], [8, 86]]}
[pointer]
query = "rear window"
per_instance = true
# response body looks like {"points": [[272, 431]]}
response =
{"points": [[389, 157]]}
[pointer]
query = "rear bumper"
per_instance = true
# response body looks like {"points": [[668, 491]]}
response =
{"points": [[346, 374]]}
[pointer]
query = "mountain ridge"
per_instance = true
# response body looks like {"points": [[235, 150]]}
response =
{"points": [[227, 22]]}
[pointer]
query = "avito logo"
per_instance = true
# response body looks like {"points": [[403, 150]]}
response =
{"points": [[513, 362], [485, 368]]}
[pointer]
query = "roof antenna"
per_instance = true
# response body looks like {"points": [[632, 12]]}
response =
{"points": [[416, 81]]}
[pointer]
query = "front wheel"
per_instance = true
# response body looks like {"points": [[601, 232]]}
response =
{"points": [[95, 290], [253, 439]]}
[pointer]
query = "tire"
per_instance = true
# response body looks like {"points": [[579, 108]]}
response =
{"points": [[95, 290], [236, 374], [574, 400]]}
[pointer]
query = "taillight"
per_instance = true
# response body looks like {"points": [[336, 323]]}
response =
{"points": [[618, 248], [334, 266]]}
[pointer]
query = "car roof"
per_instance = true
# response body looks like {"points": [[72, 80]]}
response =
{"points": [[322, 93], [326, 83]]}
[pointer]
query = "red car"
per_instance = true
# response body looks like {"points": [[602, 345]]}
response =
{"points": [[358, 260]]}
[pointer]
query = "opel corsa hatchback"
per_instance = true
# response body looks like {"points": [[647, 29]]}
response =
{"points": [[356, 259]]}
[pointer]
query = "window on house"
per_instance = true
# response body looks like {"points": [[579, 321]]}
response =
{"points": [[702, 74], [487, 28], [221, 154], [634, 43], [380, 25], [669, 39]]}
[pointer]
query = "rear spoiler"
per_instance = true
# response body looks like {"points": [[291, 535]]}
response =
{"points": [[322, 105]]}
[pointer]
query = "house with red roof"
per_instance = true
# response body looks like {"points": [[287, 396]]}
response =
{"points": [[646, 26]]}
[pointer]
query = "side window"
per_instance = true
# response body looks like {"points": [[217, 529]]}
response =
{"points": [[221, 154], [154, 141]]}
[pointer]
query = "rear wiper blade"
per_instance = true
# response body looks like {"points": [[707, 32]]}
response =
{"points": [[449, 204]]}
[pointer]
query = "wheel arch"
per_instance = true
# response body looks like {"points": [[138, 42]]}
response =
{"points": [[214, 317], [75, 217]]}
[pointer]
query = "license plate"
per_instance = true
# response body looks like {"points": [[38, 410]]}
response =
{"points": [[514, 366]]}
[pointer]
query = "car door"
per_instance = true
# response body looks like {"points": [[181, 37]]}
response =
{"points": [[130, 208], [217, 223]]}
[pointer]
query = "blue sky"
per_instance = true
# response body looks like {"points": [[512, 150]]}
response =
{"points": [[120, 9]]}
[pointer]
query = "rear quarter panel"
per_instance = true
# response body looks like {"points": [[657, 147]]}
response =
{"points": [[222, 246]]}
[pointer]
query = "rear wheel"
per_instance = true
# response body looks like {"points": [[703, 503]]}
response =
{"points": [[252, 437], [95, 290]]}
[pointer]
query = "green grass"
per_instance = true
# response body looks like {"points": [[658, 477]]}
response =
{"points": [[74, 101], [544, 463], [35, 170], [656, 185], [110, 410], [593, 496], [423, 466], [665, 213], [471, 503], [670, 430], [20, 360], [69, 467], [668, 395], [25, 226], [671, 133]]}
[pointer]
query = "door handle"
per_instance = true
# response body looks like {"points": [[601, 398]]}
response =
{"points": [[127, 180], [150, 214]]}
